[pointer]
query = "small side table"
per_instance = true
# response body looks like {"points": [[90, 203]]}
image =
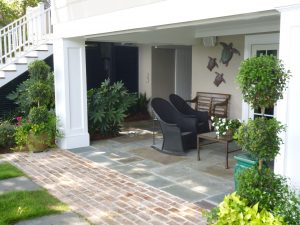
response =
{"points": [[213, 137]]}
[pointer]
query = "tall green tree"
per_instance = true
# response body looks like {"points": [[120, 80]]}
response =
{"points": [[10, 11]]}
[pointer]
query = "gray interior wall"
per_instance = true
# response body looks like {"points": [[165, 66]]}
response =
{"points": [[183, 72], [163, 72]]}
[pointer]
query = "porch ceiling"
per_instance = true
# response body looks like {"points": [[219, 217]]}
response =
{"points": [[188, 33]]}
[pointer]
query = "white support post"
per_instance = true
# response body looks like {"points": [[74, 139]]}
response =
{"points": [[288, 109], [71, 92]]}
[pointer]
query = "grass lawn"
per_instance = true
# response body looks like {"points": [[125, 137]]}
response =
{"points": [[8, 171], [22, 205]]}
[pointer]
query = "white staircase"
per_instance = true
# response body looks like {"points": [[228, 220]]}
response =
{"points": [[24, 40]]}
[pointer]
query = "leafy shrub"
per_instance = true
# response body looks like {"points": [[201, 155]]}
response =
{"points": [[260, 137], [38, 90], [12, 10], [107, 106], [235, 210], [38, 115], [272, 192], [7, 135], [38, 134], [39, 70], [140, 106], [262, 80]]}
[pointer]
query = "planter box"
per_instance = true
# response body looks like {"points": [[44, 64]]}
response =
{"points": [[243, 161]]}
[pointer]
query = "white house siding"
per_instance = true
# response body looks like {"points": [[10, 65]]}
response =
{"points": [[202, 78], [68, 10]]}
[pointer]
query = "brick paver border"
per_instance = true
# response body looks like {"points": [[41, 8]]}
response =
{"points": [[103, 195]]}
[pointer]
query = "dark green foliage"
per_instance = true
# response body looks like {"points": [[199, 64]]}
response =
{"points": [[13, 10], [39, 93], [140, 106], [260, 137], [38, 115], [7, 135], [7, 14], [107, 106], [37, 90], [262, 80], [39, 70], [271, 191]]}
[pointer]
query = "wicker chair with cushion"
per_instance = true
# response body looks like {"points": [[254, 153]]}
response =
{"points": [[202, 116], [179, 131]]}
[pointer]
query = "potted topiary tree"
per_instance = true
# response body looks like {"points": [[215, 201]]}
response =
{"points": [[262, 81], [36, 130]]}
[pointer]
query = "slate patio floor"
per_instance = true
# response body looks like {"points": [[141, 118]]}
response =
{"points": [[204, 182]]}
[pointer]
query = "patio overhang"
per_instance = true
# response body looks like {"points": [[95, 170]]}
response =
{"points": [[187, 33]]}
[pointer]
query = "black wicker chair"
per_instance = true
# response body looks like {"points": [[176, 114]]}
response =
{"points": [[202, 116], [179, 131]]}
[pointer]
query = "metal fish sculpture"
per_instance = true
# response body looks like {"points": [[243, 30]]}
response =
{"points": [[219, 79], [227, 53], [212, 62]]}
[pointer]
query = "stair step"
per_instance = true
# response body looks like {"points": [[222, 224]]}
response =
{"points": [[9, 70], [20, 63], [2, 75], [31, 56]]}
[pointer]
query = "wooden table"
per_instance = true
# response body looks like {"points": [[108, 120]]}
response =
{"points": [[213, 137]]}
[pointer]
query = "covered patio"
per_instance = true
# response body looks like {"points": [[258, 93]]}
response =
{"points": [[173, 59]]}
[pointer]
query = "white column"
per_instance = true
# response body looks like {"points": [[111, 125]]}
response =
{"points": [[288, 109], [70, 92]]}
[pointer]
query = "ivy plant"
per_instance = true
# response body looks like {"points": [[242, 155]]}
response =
{"points": [[235, 210]]}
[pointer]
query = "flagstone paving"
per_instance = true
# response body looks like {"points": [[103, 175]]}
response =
{"points": [[103, 195]]}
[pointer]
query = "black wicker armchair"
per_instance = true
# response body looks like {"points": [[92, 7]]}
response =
{"points": [[179, 131], [202, 116]]}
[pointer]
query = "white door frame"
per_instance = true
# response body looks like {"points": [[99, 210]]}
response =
{"points": [[251, 40]]}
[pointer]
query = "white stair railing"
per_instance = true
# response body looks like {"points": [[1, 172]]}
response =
{"points": [[25, 34]]}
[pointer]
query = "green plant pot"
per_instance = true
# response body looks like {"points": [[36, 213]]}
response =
{"points": [[243, 161]]}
